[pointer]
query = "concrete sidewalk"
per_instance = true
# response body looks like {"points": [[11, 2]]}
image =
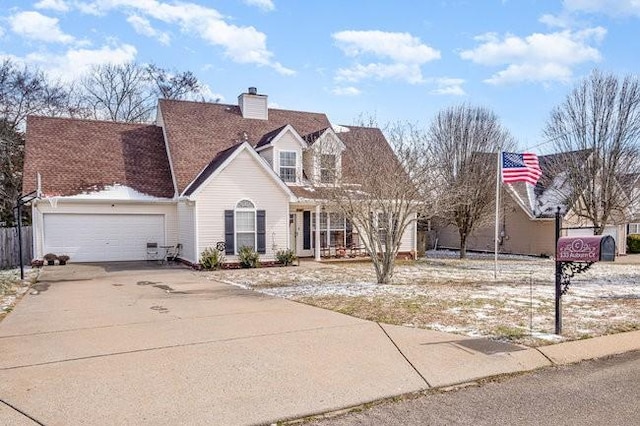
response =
{"points": [[168, 346]]}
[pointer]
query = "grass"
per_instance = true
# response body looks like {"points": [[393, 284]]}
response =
{"points": [[8, 284], [11, 289], [510, 333], [462, 296]]}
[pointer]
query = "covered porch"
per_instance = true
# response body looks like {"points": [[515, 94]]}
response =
{"points": [[319, 232]]}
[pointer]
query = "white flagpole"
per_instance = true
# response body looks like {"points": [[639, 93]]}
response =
{"points": [[495, 239]]}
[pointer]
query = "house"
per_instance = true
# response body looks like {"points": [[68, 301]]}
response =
{"points": [[527, 217], [203, 174], [631, 183]]}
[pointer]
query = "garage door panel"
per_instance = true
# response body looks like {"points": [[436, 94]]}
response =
{"points": [[102, 237]]}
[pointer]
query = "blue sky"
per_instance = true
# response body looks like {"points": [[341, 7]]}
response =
{"points": [[396, 60]]}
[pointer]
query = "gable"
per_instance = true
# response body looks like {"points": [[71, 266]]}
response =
{"points": [[289, 140], [235, 166], [325, 141], [196, 131], [242, 178]]}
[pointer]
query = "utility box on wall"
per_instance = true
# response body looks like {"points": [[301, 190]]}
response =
{"points": [[600, 248]]}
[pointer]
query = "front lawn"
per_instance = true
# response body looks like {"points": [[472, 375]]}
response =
{"points": [[11, 288], [452, 295]]}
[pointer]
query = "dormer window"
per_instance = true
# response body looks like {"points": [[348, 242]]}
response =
{"points": [[288, 166], [327, 168]]}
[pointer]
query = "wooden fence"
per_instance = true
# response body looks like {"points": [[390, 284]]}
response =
{"points": [[9, 248]]}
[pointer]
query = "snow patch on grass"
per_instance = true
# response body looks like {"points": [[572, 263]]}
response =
{"points": [[444, 293]]}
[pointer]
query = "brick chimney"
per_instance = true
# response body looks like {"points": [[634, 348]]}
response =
{"points": [[253, 105]]}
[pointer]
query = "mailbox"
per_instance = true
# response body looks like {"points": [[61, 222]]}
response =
{"points": [[601, 248]]}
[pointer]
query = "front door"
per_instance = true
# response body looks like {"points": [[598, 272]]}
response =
{"points": [[293, 233]]}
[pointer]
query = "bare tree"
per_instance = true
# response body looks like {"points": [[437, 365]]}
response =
{"points": [[23, 91], [465, 141], [602, 117], [129, 92], [381, 187], [118, 93], [183, 85]]}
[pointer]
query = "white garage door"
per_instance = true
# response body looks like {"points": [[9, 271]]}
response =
{"points": [[102, 237]]}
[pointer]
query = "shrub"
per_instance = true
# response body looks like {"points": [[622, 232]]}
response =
{"points": [[212, 258], [63, 259], [285, 257], [50, 258], [248, 257], [633, 242]]}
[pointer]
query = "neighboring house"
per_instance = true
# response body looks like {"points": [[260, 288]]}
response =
{"points": [[631, 184], [245, 175], [527, 218]]}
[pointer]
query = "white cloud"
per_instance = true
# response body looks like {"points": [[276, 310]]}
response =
{"points": [[554, 21], [266, 5], [379, 71], [35, 26], [143, 26], [537, 57], [75, 62], [400, 47], [57, 5], [242, 44], [208, 95], [405, 55], [448, 86], [346, 91], [1, 32], [607, 7]]}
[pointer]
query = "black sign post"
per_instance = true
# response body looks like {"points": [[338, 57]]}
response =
{"points": [[558, 275], [22, 200]]}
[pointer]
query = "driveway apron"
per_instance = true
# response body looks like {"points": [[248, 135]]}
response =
{"points": [[172, 347]]}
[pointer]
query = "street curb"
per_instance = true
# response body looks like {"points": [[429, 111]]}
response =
{"points": [[596, 347], [558, 354]]}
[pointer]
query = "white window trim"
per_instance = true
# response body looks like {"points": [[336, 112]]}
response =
{"points": [[328, 228], [254, 210], [320, 168], [296, 167]]}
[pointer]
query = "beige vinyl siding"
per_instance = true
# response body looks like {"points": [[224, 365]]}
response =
{"points": [[307, 163], [328, 143], [267, 154], [523, 235], [253, 106], [186, 232], [288, 143], [112, 207], [242, 179]]}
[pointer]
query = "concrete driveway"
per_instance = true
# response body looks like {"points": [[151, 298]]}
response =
{"points": [[139, 345]]}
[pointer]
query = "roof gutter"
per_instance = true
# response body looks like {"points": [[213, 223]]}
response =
{"points": [[66, 200]]}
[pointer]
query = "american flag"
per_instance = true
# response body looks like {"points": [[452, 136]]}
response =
{"points": [[520, 168]]}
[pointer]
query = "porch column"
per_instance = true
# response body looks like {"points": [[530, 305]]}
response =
{"points": [[317, 243]]}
